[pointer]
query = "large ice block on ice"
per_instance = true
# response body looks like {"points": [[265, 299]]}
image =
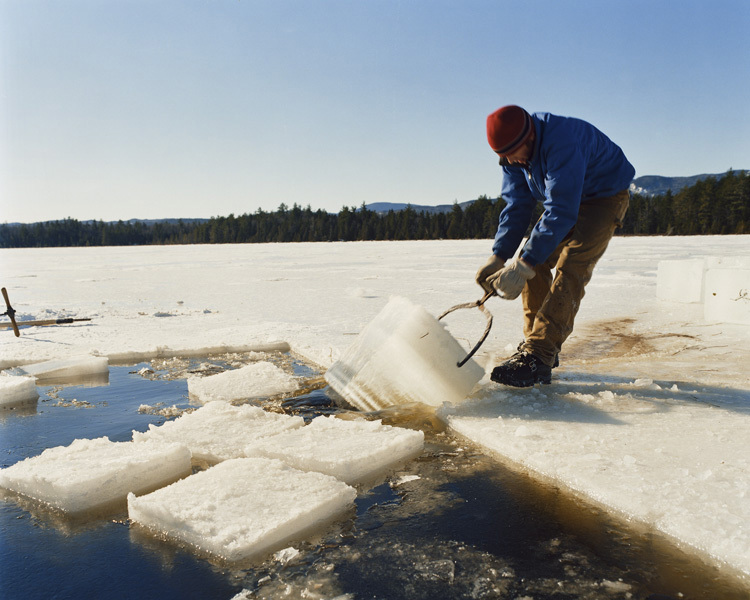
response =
{"points": [[727, 296], [349, 450], [67, 368], [680, 280], [92, 474], [255, 380], [242, 507], [403, 355], [17, 390], [219, 431]]}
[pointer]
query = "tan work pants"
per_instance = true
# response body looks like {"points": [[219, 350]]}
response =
{"points": [[550, 305]]}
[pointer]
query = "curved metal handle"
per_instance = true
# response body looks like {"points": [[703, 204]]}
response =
{"points": [[480, 305]]}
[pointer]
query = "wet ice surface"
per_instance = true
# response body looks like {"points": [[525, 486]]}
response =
{"points": [[449, 524]]}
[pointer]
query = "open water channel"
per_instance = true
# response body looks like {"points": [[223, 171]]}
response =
{"points": [[452, 523]]}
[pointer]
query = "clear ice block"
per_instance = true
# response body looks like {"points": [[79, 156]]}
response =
{"points": [[403, 355]]}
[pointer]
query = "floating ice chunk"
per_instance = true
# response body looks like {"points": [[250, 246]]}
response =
{"points": [[286, 555], [92, 474], [17, 390], [219, 431], [348, 450], [616, 586], [252, 381], [404, 479], [243, 507], [67, 367], [403, 355], [162, 411]]}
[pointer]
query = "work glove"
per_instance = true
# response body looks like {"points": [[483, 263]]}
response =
{"points": [[509, 281], [494, 264]]}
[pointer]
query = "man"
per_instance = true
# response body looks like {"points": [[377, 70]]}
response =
{"points": [[581, 178]]}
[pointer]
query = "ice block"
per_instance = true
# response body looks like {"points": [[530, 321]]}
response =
{"points": [[219, 431], [17, 390], [242, 507], [92, 474], [349, 450], [67, 369], [251, 381], [403, 355]]}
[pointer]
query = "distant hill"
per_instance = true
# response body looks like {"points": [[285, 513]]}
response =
{"points": [[147, 222], [647, 185], [384, 207], [656, 185]]}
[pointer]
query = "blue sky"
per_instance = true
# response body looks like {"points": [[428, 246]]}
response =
{"points": [[118, 109]]}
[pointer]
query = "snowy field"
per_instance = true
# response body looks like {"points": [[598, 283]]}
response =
{"points": [[648, 414]]}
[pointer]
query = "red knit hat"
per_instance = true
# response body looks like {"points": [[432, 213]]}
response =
{"points": [[508, 128]]}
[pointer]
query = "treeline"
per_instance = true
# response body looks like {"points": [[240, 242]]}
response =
{"points": [[711, 206], [296, 224]]}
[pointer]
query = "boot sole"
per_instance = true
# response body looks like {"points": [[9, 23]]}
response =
{"points": [[523, 383]]}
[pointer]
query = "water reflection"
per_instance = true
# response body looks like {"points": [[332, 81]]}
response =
{"points": [[452, 523]]}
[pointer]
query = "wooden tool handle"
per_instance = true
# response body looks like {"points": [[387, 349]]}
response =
{"points": [[11, 313]]}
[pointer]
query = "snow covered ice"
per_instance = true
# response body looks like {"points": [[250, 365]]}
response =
{"points": [[667, 455], [691, 487], [219, 431], [404, 355], [251, 381], [90, 475], [243, 507], [348, 450]]}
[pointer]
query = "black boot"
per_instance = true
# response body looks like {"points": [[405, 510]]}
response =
{"points": [[522, 370], [520, 349]]}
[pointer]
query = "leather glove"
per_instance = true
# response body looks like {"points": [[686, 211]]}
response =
{"points": [[509, 281], [493, 265]]}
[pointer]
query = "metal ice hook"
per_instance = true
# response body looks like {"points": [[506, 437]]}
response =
{"points": [[480, 305]]}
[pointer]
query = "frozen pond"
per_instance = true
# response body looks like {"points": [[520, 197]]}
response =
{"points": [[452, 523]]}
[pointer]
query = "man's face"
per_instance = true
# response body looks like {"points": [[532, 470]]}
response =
{"points": [[522, 155]]}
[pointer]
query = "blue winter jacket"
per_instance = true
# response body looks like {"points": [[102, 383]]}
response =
{"points": [[572, 161]]}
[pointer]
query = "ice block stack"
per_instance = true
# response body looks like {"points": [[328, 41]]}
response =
{"points": [[722, 284], [403, 355]]}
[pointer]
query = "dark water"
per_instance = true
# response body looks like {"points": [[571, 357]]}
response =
{"points": [[462, 525]]}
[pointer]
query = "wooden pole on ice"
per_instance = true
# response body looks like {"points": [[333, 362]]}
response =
{"points": [[12, 314]]}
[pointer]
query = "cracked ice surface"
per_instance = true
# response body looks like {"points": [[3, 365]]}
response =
{"points": [[670, 458]]}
